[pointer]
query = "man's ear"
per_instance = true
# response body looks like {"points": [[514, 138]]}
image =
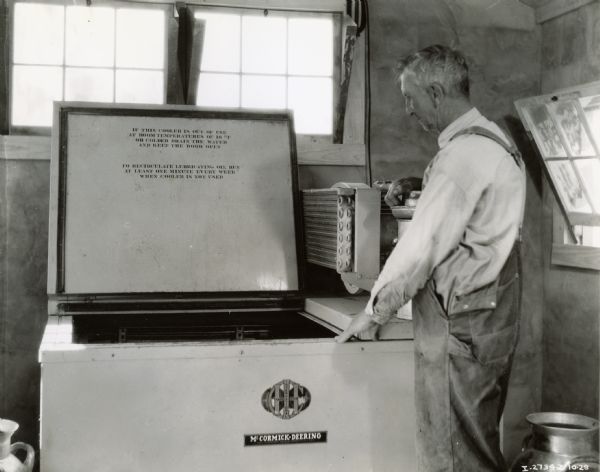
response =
{"points": [[436, 92]]}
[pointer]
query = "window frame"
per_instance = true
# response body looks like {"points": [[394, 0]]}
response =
{"points": [[170, 68], [47, 130], [337, 17], [565, 250]]}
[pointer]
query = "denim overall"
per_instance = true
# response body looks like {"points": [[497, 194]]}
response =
{"points": [[463, 358]]}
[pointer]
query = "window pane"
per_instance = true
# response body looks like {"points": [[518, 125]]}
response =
{"points": [[221, 49], [544, 131], [264, 45], [90, 36], [310, 46], [591, 108], [588, 235], [312, 102], [263, 91], [33, 90], [139, 86], [567, 184], [89, 85], [218, 90], [140, 38], [568, 118], [589, 170], [38, 34]]}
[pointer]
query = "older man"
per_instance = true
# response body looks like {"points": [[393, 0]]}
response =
{"points": [[459, 263]]}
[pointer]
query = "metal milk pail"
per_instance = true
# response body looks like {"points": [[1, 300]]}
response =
{"points": [[559, 441]]}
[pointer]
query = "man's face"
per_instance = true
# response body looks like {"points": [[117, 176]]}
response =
{"points": [[417, 102]]}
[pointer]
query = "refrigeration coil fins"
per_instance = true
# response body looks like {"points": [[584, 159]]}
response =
{"points": [[345, 232], [329, 228]]}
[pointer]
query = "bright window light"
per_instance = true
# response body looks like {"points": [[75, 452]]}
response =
{"points": [[264, 45], [589, 170], [218, 90], [38, 34], [90, 37], [310, 46], [31, 97], [100, 54], [588, 235], [285, 62], [140, 38], [311, 98], [263, 91], [591, 109], [139, 86], [221, 50], [89, 84]]}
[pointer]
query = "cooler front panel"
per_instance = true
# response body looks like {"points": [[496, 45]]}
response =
{"points": [[300, 406]]}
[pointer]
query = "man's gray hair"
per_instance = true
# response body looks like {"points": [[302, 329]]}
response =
{"points": [[440, 64]]}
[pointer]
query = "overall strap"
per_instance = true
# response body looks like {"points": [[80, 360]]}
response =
{"points": [[486, 133], [510, 149]]}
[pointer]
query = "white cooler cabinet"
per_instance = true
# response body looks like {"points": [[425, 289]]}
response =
{"points": [[172, 228], [188, 406]]}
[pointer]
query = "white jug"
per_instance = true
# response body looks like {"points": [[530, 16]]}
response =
{"points": [[9, 462]]}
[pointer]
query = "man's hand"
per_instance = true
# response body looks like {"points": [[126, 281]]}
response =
{"points": [[361, 322], [400, 190], [393, 196]]}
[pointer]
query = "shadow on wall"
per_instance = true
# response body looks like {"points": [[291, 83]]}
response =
{"points": [[23, 311], [528, 150]]}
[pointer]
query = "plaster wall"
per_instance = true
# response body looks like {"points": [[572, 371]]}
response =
{"points": [[23, 312]]}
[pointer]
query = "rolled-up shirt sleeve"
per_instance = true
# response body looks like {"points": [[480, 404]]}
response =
{"points": [[438, 225]]}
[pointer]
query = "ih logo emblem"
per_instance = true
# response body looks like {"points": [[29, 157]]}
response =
{"points": [[286, 399]]}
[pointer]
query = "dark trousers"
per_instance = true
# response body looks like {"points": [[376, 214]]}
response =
{"points": [[463, 358]]}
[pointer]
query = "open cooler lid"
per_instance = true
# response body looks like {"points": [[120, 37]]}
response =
{"points": [[172, 207]]}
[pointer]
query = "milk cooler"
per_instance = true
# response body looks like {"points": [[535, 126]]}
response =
{"points": [[180, 332]]}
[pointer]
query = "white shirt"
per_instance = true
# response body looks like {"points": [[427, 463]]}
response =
{"points": [[465, 224]]}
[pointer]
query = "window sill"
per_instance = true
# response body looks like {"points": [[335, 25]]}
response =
{"points": [[581, 257], [35, 148]]}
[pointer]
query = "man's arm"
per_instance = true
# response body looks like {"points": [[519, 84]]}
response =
{"points": [[438, 226], [436, 230]]}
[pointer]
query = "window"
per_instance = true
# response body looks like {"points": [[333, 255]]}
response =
{"points": [[566, 128], [249, 58], [85, 53], [269, 60]]}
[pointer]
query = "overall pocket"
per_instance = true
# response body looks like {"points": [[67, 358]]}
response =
{"points": [[487, 324]]}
